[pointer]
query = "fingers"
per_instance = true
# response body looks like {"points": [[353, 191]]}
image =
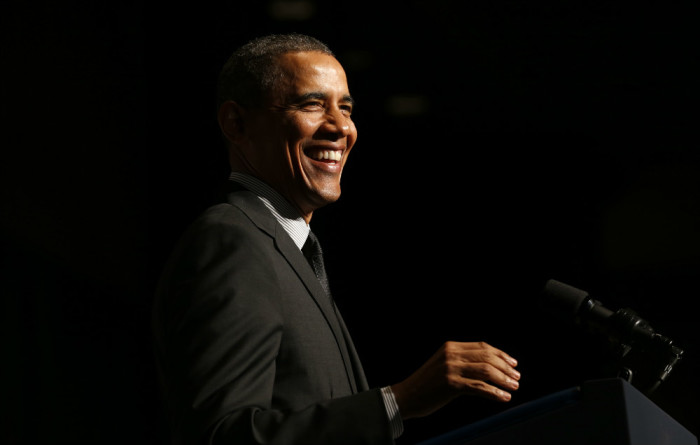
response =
{"points": [[482, 370], [476, 369], [499, 390], [484, 348]]}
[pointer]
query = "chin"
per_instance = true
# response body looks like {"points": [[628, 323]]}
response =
{"points": [[326, 195]]}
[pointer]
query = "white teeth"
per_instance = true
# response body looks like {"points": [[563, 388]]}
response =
{"points": [[330, 155]]}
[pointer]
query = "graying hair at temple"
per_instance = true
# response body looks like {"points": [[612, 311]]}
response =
{"points": [[252, 70]]}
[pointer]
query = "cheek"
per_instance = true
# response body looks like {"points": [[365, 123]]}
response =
{"points": [[306, 127], [352, 137], [294, 132], [283, 138]]}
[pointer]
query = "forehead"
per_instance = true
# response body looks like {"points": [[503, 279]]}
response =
{"points": [[305, 72]]}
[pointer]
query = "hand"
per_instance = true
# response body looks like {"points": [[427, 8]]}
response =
{"points": [[457, 369]]}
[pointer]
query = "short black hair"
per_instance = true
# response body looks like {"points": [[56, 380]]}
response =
{"points": [[252, 70]]}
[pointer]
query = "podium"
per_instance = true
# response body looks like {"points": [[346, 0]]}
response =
{"points": [[607, 411]]}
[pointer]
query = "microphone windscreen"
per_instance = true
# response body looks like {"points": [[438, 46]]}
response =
{"points": [[562, 299]]}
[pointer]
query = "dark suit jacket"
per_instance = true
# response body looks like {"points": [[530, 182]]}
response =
{"points": [[249, 347]]}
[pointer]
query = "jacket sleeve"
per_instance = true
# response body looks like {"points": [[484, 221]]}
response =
{"points": [[218, 327]]}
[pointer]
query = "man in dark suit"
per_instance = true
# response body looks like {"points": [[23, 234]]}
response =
{"points": [[250, 346]]}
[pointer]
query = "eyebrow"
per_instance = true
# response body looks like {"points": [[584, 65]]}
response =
{"points": [[321, 96]]}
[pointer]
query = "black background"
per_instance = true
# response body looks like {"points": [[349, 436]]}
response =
{"points": [[536, 140]]}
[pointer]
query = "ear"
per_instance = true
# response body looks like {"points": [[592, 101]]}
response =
{"points": [[231, 118]]}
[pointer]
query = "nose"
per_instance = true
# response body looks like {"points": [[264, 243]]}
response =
{"points": [[338, 122]]}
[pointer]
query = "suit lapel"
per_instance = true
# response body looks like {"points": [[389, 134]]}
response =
{"points": [[296, 259], [263, 218]]}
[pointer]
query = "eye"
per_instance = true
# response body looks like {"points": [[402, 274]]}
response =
{"points": [[312, 105], [346, 109]]}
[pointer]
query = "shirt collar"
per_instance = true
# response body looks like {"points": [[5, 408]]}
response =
{"points": [[281, 209]]}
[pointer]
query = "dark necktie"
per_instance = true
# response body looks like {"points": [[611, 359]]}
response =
{"points": [[313, 253]]}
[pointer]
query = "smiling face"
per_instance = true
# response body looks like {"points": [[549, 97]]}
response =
{"points": [[299, 140]]}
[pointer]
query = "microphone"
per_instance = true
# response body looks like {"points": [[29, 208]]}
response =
{"points": [[568, 302], [644, 354]]}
